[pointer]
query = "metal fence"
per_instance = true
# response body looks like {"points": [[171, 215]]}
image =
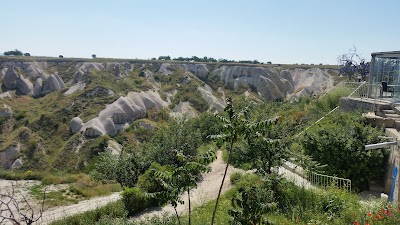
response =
{"points": [[323, 181]]}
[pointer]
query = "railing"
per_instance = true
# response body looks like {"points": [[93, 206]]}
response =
{"points": [[313, 179], [364, 90], [322, 180]]}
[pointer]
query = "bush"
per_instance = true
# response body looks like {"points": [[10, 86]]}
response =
{"points": [[343, 136], [235, 177], [148, 182], [134, 200]]}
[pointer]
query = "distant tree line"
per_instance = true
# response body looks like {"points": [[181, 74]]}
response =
{"points": [[16, 52], [207, 59]]}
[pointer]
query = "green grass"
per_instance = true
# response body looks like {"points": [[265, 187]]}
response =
{"points": [[113, 210], [79, 187]]}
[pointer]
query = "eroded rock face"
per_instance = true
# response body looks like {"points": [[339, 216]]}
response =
{"points": [[264, 81], [7, 157], [146, 126], [114, 147], [183, 109], [78, 76], [5, 95], [37, 88], [200, 70], [123, 110], [33, 69], [88, 66], [24, 86], [3, 72], [100, 91], [16, 164], [119, 69], [54, 83], [76, 125], [14, 81], [165, 69], [213, 102], [6, 111], [311, 81], [10, 79]]}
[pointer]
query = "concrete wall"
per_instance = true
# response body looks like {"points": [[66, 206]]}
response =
{"points": [[362, 104], [394, 159]]}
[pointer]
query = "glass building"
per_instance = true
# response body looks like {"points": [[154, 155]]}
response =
{"points": [[385, 73]]}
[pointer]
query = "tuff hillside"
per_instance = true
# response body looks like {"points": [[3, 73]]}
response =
{"points": [[59, 113]]}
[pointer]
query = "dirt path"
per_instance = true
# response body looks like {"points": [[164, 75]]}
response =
{"points": [[83, 206], [206, 190]]}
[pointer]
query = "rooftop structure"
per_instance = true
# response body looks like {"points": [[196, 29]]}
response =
{"points": [[385, 74]]}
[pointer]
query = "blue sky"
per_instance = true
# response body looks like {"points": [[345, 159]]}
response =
{"points": [[284, 31]]}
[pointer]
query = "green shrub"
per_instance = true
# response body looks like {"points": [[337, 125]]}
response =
{"points": [[148, 182], [134, 200], [112, 210], [235, 177], [343, 136], [19, 175], [20, 115]]}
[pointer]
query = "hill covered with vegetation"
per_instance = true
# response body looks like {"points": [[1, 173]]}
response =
{"points": [[57, 114]]}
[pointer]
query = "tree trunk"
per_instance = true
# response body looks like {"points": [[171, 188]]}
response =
{"points": [[177, 216], [222, 183], [190, 210]]}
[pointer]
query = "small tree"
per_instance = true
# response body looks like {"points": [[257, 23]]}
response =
{"points": [[182, 178], [250, 206], [15, 52], [94, 56], [27, 54], [124, 168], [60, 56], [16, 209], [352, 63], [235, 125]]}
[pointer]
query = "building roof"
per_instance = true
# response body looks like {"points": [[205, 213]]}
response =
{"points": [[392, 54]]}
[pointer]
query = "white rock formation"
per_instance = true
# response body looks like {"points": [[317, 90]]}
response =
{"points": [[13, 81], [33, 69], [123, 110], [311, 81], [6, 111], [85, 68], [165, 69], [24, 86], [213, 102], [100, 91], [183, 109], [7, 156], [114, 147], [16, 164], [54, 83], [78, 76], [74, 88], [37, 88], [147, 126], [200, 70], [264, 81], [3, 72], [5, 95], [88, 66], [119, 69], [76, 125], [10, 79]]}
